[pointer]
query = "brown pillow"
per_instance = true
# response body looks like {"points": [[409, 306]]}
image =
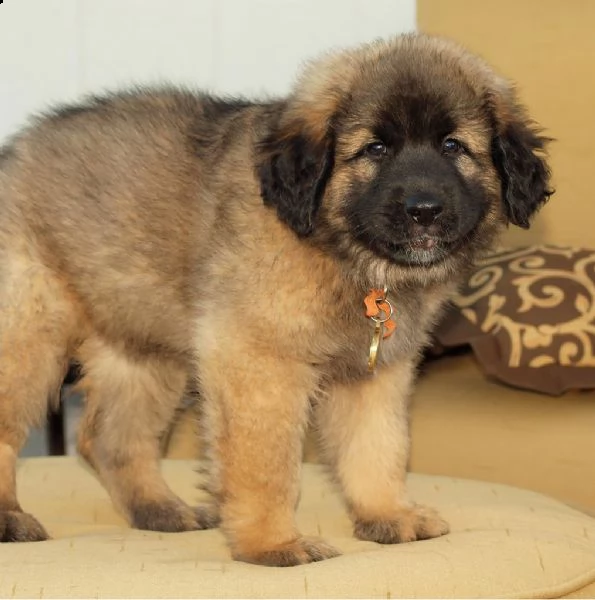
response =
{"points": [[529, 316]]}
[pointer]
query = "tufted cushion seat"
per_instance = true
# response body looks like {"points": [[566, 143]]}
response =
{"points": [[505, 542]]}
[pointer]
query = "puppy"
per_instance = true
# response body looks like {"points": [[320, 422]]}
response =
{"points": [[288, 258]]}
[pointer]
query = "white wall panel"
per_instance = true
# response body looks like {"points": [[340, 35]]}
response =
{"points": [[55, 50], [126, 41], [261, 43], [38, 57]]}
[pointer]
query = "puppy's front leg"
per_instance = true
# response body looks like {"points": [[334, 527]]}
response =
{"points": [[256, 410], [364, 433]]}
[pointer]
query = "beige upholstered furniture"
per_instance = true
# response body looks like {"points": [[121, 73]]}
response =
{"points": [[464, 425], [505, 543]]}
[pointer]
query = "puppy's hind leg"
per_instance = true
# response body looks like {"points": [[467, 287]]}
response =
{"points": [[130, 403], [36, 319]]}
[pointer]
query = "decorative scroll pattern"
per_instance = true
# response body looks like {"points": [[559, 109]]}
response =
{"points": [[542, 298]]}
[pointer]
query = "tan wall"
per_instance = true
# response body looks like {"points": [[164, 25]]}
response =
{"points": [[548, 48]]}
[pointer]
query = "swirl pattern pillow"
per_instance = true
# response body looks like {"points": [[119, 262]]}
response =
{"points": [[529, 316]]}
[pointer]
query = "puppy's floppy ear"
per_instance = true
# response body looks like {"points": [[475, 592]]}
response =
{"points": [[518, 155], [293, 168]]}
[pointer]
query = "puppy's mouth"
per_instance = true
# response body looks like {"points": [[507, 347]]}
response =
{"points": [[424, 249], [423, 243]]}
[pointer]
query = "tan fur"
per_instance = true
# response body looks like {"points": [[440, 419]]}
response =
{"points": [[361, 425], [134, 240]]}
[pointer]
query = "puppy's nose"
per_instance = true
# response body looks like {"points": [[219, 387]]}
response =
{"points": [[424, 209]]}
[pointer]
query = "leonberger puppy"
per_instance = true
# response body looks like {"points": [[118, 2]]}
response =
{"points": [[285, 258]]}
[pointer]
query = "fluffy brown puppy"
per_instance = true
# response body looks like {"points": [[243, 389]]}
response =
{"points": [[166, 239]]}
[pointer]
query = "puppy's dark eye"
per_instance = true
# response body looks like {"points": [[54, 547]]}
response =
{"points": [[452, 147], [376, 149]]}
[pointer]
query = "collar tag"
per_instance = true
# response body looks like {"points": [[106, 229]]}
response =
{"points": [[381, 312]]}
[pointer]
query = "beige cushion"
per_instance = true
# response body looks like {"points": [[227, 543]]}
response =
{"points": [[505, 542]]}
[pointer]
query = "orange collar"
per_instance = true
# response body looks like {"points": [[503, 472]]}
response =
{"points": [[380, 310]]}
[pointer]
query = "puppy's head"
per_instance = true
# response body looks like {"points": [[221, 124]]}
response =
{"points": [[410, 153]]}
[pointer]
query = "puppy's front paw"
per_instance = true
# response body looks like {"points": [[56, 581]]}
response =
{"points": [[301, 551], [16, 526], [415, 522]]}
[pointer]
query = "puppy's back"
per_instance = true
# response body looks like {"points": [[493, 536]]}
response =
{"points": [[114, 196]]}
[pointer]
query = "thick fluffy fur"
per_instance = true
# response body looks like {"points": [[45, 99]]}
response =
{"points": [[165, 239]]}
